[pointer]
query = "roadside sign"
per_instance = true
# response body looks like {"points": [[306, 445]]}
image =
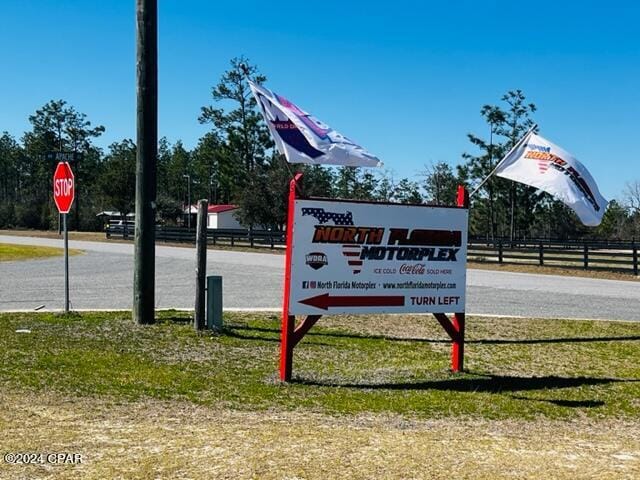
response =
{"points": [[63, 187], [347, 256], [64, 191], [64, 156], [355, 257]]}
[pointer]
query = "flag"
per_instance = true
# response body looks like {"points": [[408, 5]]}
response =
{"points": [[537, 162], [302, 138]]}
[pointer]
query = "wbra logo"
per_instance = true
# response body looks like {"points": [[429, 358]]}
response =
{"points": [[316, 260]]}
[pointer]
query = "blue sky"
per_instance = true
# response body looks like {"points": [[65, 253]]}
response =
{"points": [[404, 79]]}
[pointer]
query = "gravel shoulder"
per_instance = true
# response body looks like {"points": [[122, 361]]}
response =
{"points": [[155, 439]]}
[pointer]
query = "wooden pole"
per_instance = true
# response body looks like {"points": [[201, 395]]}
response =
{"points": [[146, 157], [199, 318]]}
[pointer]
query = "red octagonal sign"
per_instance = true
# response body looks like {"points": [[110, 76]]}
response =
{"points": [[64, 189]]}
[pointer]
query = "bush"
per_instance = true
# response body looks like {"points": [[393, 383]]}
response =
{"points": [[7, 215], [27, 215], [88, 220]]}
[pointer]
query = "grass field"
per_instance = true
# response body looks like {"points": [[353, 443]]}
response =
{"points": [[371, 398], [10, 252]]}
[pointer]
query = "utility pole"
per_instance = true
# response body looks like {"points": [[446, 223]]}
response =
{"points": [[213, 187], [492, 219], [77, 207], [146, 159], [188, 177]]}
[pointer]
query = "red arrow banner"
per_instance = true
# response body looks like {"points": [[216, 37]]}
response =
{"points": [[325, 301]]}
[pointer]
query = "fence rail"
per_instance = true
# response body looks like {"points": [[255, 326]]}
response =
{"points": [[619, 256], [253, 238], [564, 244]]}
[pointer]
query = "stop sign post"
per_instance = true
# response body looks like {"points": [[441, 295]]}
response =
{"points": [[64, 190]]}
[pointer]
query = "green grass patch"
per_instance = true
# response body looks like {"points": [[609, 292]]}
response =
{"points": [[384, 364], [10, 252]]}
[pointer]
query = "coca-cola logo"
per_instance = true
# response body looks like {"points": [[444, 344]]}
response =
{"points": [[412, 269]]}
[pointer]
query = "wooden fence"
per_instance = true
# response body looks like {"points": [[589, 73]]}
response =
{"points": [[617, 256], [253, 238], [570, 254]]}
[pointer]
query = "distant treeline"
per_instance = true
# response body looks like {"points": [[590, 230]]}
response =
{"points": [[235, 162]]}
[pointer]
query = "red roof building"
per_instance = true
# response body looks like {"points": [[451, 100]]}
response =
{"points": [[221, 208]]}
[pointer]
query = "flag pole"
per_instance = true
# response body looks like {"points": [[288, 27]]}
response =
{"points": [[518, 143]]}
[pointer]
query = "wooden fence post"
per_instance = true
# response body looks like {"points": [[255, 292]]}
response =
{"points": [[635, 259], [201, 266], [586, 256], [500, 251], [541, 254]]}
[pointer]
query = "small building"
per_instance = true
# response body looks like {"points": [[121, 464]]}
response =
{"points": [[222, 216], [218, 216]]}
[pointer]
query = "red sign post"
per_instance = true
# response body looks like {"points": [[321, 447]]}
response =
{"points": [[64, 191]]}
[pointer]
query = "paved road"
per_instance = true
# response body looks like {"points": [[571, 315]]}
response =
{"points": [[102, 278]]}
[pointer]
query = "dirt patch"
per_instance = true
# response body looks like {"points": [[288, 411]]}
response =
{"points": [[154, 439]]}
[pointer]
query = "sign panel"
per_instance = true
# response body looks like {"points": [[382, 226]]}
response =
{"points": [[353, 257], [64, 156], [63, 187]]}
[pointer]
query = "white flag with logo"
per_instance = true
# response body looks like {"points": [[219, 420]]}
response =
{"points": [[302, 138], [537, 162]]}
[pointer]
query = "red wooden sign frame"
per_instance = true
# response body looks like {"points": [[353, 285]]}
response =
{"points": [[292, 334]]}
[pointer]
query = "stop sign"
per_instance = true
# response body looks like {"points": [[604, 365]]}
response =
{"points": [[63, 187]]}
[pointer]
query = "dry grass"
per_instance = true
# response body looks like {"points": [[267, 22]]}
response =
{"points": [[91, 236], [551, 270], [155, 439], [10, 252]]}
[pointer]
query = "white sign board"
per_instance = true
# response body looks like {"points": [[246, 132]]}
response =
{"points": [[354, 257]]}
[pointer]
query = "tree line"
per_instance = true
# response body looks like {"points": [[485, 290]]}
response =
{"points": [[235, 162]]}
